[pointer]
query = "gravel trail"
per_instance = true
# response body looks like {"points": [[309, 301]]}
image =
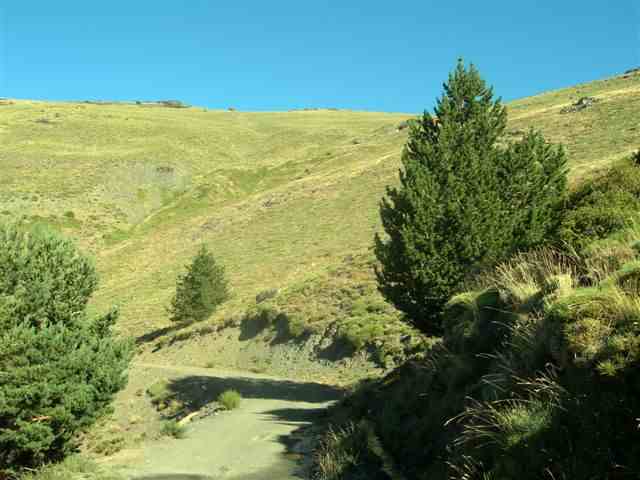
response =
{"points": [[260, 440]]}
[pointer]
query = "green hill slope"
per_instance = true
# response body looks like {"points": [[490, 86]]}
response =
{"points": [[279, 197]]}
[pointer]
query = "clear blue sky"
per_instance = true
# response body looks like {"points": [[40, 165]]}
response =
{"points": [[280, 54]]}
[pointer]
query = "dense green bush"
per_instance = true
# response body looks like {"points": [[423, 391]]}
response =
{"points": [[602, 205], [230, 399], [59, 369], [464, 201], [43, 278], [200, 290]]}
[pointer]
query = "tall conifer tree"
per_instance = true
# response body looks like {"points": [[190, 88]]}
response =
{"points": [[463, 202]]}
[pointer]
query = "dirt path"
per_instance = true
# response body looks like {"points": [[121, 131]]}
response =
{"points": [[250, 443]]}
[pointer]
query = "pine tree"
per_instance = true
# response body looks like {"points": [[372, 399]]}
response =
{"points": [[463, 202], [59, 369], [200, 290], [43, 277], [532, 177]]}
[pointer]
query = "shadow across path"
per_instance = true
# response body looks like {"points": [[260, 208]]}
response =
{"points": [[294, 416], [196, 391]]}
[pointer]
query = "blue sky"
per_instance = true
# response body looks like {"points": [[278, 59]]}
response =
{"points": [[281, 54]]}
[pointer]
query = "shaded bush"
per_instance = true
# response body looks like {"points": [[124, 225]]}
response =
{"points": [[339, 452], [266, 295], [351, 451], [257, 319], [608, 203], [171, 428], [160, 393]]}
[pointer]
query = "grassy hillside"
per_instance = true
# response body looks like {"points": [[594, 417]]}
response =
{"points": [[279, 197]]}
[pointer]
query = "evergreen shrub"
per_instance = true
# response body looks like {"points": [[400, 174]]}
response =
{"points": [[200, 290], [59, 369]]}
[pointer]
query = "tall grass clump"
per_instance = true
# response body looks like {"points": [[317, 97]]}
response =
{"points": [[230, 399], [353, 451], [339, 452], [171, 428], [73, 467]]}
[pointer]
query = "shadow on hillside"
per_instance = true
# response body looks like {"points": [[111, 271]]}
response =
{"points": [[336, 350], [160, 332], [251, 326], [255, 323], [197, 391], [279, 325]]}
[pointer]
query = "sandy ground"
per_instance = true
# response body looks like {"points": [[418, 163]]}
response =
{"points": [[256, 441]]}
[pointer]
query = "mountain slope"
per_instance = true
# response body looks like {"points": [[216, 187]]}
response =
{"points": [[279, 197]]}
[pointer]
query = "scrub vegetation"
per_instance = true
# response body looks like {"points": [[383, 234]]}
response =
{"points": [[171, 428]]}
